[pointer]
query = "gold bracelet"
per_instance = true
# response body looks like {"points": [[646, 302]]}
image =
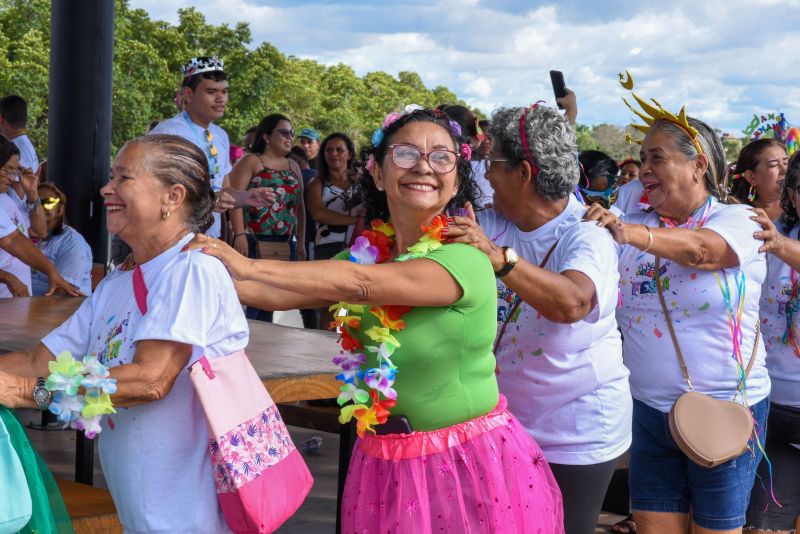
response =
{"points": [[649, 238]]}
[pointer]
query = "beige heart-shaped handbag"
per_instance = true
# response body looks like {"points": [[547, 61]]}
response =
{"points": [[709, 431]]}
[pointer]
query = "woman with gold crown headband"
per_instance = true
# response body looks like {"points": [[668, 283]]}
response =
{"points": [[690, 279], [780, 319], [438, 449]]}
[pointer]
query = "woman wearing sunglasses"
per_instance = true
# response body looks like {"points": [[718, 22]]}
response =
{"points": [[62, 245], [438, 451], [280, 226]]}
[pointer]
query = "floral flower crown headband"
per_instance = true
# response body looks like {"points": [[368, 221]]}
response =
{"points": [[654, 113], [391, 118]]}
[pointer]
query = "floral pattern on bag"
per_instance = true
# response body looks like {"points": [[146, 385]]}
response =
{"points": [[241, 455]]}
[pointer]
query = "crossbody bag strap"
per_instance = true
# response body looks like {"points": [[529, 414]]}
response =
{"points": [[519, 301], [674, 337], [684, 369]]}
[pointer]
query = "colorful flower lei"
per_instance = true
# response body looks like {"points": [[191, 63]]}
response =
{"points": [[81, 412], [366, 405]]}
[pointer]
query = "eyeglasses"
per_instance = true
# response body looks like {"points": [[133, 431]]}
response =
{"points": [[12, 172], [491, 161], [408, 156], [288, 134]]}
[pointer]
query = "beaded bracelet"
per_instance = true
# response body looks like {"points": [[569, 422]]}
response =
{"points": [[81, 412]]}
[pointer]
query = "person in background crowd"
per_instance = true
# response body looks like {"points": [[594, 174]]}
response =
{"points": [[458, 460], [154, 450], [299, 156], [334, 198], [283, 221], [780, 323], [558, 349], [13, 121], [628, 171], [25, 213], [485, 147], [468, 122], [204, 95], [62, 245], [309, 139], [599, 178], [249, 137], [698, 246], [759, 175]]}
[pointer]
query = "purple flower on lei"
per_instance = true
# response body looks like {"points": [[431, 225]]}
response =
{"points": [[362, 252], [382, 379]]}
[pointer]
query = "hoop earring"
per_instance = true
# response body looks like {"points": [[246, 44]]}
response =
{"points": [[164, 215], [751, 195]]}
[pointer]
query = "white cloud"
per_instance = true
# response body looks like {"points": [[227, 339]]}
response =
{"points": [[725, 59]]}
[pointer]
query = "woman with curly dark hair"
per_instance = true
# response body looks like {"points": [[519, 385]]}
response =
{"points": [[780, 311], [438, 449]]}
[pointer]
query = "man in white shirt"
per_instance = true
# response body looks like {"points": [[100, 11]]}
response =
{"points": [[13, 120], [204, 96]]}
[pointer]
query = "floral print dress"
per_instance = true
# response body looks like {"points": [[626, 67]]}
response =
{"points": [[280, 218]]}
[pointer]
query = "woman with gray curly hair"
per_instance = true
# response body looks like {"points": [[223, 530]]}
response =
{"points": [[558, 349]]}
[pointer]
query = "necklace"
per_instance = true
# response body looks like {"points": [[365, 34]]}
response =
{"points": [[371, 406], [208, 147]]}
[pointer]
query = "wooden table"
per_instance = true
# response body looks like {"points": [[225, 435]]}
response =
{"points": [[294, 364]]}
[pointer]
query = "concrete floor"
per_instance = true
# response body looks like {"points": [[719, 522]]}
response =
{"points": [[317, 515]]}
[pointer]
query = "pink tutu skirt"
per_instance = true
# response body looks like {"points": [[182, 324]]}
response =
{"points": [[484, 475]]}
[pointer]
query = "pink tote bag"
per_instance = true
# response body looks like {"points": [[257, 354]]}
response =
{"points": [[261, 479]]}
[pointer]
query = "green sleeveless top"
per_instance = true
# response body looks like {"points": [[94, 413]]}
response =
{"points": [[446, 366]]}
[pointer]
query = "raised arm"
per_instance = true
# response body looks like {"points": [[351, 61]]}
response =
{"points": [[701, 249], [420, 282]]}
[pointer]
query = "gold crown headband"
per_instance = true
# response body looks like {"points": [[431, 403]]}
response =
{"points": [[654, 113]]}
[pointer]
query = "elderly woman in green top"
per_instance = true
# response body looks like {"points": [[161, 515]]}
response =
{"points": [[438, 450]]}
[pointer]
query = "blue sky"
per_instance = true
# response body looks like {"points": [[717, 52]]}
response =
{"points": [[725, 60]]}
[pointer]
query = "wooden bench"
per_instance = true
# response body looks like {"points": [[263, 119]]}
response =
{"points": [[98, 273], [90, 509]]}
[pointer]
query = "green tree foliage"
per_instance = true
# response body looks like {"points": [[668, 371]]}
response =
{"points": [[148, 55], [608, 138]]}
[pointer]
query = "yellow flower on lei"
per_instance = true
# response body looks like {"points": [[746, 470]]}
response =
{"points": [[97, 405], [381, 335]]}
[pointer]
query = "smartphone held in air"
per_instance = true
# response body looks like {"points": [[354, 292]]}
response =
{"points": [[559, 87]]}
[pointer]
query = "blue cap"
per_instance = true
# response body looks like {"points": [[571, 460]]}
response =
{"points": [[311, 133]]}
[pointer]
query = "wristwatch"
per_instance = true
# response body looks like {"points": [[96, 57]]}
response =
{"points": [[33, 203], [41, 395], [511, 257]]}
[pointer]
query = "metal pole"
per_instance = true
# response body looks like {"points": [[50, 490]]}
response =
{"points": [[79, 130]]}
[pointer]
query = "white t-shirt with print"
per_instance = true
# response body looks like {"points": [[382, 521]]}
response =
{"points": [[156, 459], [782, 363], [180, 126], [479, 177], [7, 226], [17, 211], [566, 383], [27, 154], [629, 198], [699, 314]]}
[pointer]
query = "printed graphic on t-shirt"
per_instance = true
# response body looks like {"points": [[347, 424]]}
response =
{"points": [[506, 300], [643, 282], [115, 337]]}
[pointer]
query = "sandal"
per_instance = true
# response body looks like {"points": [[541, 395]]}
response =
{"points": [[626, 526]]}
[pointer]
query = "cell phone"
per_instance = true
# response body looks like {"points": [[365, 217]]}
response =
{"points": [[559, 87], [394, 425]]}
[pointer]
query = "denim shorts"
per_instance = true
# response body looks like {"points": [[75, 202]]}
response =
{"points": [[664, 479], [764, 513]]}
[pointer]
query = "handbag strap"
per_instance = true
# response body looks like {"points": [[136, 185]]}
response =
{"points": [[519, 301], [139, 289], [684, 369]]}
